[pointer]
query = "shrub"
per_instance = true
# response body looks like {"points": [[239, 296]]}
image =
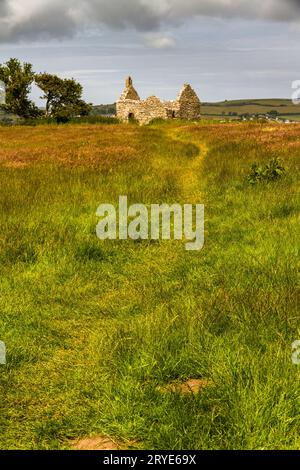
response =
{"points": [[270, 172], [75, 120]]}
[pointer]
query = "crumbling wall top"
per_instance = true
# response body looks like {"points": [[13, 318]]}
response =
{"points": [[129, 93]]}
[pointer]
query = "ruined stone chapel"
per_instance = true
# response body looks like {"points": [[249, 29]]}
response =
{"points": [[131, 107]]}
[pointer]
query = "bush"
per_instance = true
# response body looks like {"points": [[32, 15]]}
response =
{"points": [[270, 172], [75, 120]]}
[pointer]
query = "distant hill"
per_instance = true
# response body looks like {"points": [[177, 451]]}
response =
{"points": [[104, 110], [233, 109], [282, 108]]}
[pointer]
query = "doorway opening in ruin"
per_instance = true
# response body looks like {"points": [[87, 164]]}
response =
{"points": [[173, 115], [131, 117]]}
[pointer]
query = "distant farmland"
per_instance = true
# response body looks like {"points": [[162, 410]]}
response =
{"points": [[284, 108]]}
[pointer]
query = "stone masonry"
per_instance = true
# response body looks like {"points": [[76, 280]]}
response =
{"points": [[130, 106]]}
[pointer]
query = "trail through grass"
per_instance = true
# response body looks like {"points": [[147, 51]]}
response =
{"points": [[94, 329]]}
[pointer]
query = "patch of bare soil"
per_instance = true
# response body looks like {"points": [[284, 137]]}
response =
{"points": [[189, 387], [101, 443]]}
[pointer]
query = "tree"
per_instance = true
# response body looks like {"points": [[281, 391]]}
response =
{"points": [[50, 85], [63, 97], [273, 113], [18, 79]]}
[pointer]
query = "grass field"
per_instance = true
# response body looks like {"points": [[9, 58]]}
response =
{"points": [[94, 330]]}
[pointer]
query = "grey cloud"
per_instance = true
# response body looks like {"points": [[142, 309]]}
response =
{"points": [[270, 10], [3, 7], [52, 21], [57, 19], [41, 19], [118, 14]]}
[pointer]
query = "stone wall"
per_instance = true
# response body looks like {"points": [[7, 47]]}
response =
{"points": [[130, 106], [189, 104], [142, 111]]}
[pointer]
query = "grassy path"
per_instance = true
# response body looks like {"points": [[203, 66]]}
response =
{"points": [[189, 173]]}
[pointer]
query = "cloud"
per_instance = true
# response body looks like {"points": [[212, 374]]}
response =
{"points": [[3, 7], [270, 10], [159, 40], [34, 19]]}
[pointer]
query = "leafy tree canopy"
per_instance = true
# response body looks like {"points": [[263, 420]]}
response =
{"points": [[63, 97], [18, 79]]}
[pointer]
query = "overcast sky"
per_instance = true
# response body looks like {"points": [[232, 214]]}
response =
{"points": [[227, 49]]}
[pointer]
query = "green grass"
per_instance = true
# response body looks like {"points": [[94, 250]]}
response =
{"points": [[92, 328]]}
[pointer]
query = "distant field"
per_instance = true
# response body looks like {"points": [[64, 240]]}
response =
{"points": [[97, 331], [285, 108]]}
